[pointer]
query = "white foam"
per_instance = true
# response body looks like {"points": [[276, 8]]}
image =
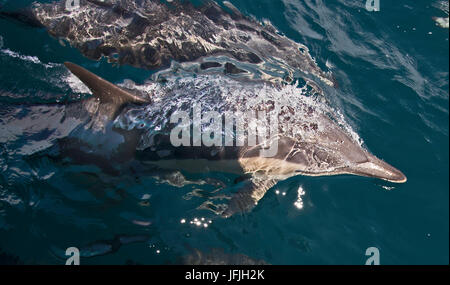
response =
{"points": [[27, 58], [442, 22], [74, 83]]}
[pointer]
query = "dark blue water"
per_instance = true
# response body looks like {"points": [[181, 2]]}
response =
{"points": [[393, 73]]}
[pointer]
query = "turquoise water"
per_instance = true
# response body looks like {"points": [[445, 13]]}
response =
{"points": [[392, 68]]}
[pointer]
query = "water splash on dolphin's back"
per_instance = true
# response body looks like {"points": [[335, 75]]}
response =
{"points": [[299, 111]]}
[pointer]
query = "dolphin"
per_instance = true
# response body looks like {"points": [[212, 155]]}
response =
{"points": [[218, 256], [309, 141], [151, 34]]}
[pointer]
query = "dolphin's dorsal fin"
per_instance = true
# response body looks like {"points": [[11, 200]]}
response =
{"points": [[105, 91]]}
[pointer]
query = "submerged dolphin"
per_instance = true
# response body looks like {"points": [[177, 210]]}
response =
{"points": [[217, 256], [151, 34], [309, 141]]}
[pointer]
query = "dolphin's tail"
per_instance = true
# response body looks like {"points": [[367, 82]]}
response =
{"points": [[377, 168], [108, 94]]}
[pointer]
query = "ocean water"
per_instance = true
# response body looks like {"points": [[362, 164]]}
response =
{"points": [[392, 67]]}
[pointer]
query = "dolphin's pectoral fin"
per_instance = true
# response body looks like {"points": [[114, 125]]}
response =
{"points": [[248, 196], [112, 98]]}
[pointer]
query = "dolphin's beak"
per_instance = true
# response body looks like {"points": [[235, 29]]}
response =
{"points": [[377, 168]]}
